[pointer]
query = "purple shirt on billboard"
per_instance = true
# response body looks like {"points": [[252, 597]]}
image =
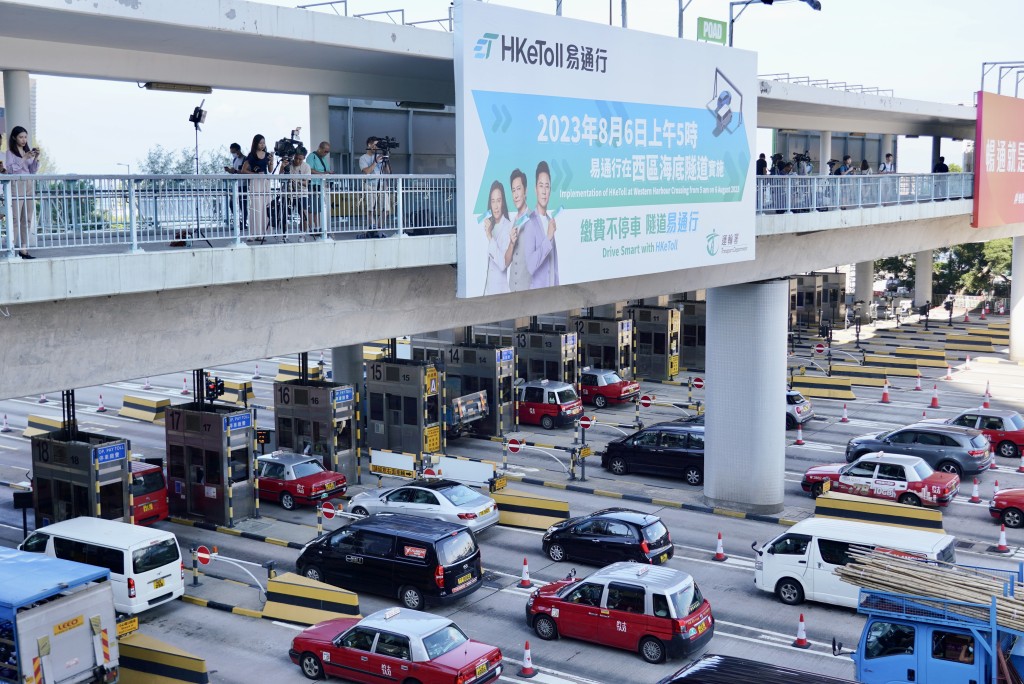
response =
{"points": [[541, 253]]}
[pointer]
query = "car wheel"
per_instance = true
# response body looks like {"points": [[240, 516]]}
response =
{"points": [[910, 500], [1008, 450], [950, 467], [817, 489], [313, 572], [287, 501], [600, 401], [694, 476], [311, 666], [556, 552], [652, 650], [1012, 517], [547, 422], [790, 422], [618, 466], [545, 627], [411, 597], [359, 510], [789, 591]]}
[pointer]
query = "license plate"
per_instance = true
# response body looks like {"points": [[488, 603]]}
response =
{"points": [[484, 512], [158, 583], [826, 486], [330, 486], [146, 508], [481, 668], [465, 578], [702, 627], [663, 557]]}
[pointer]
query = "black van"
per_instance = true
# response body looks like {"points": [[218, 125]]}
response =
{"points": [[391, 554]]}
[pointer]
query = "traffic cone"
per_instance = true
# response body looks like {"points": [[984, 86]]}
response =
{"points": [[917, 385], [146, 385], [967, 363], [995, 488], [975, 495], [845, 418], [184, 387], [6, 427], [801, 635], [1002, 548], [1020, 468], [992, 464], [987, 396], [1002, 310], [43, 399], [525, 582], [967, 319], [924, 415], [527, 670], [935, 397], [799, 436], [983, 312], [885, 393], [949, 372], [256, 375], [719, 551], [101, 408]]}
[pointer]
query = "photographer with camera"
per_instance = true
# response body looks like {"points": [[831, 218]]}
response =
{"points": [[376, 162], [259, 163], [296, 191], [22, 159]]}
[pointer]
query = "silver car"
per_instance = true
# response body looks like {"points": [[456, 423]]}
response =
{"points": [[436, 499]]}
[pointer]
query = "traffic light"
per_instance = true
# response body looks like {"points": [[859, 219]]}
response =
{"points": [[211, 389], [263, 436], [220, 387]]}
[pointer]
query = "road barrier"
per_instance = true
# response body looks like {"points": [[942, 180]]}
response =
{"points": [[970, 343], [298, 599], [997, 336], [893, 365], [823, 388], [866, 376], [40, 425], [929, 358], [864, 509], [141, 408], [238, 393], [532, 511], [290, 371], [145, 660]]}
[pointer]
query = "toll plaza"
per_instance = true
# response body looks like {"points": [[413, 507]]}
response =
{"points": [[693, 329], [546, 355], [656, 331], [210, 462], [606, 343], [319, 415], [404, 397], [76, 473], [816, 298]]}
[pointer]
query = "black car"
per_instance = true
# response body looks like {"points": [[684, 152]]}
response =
{"points": [[675, 449], [949, 448], [610, 535], [719, 669]]}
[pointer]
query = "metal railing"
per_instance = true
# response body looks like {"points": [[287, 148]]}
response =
{"points": [[801, 194], [134, 211]]}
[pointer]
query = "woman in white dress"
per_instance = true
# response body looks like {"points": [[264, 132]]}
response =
{"points": [[498, 228]]}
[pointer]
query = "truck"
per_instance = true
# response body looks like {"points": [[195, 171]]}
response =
{"points": [[462, 412], [57, 621]]}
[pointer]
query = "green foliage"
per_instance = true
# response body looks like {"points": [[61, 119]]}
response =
{"points": [[901, 267], [975, 268], [955, 168], [180, 162]]}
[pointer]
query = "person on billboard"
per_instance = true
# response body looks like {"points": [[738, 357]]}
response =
{"points": [[538, 235], [518, 272], [498, 229]]}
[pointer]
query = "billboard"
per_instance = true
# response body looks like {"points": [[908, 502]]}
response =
{"points": [[587, 152], [999, 161]]}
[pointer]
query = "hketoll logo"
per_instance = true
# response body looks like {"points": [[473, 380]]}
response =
{"points": [[482, 49], [712, 243]]}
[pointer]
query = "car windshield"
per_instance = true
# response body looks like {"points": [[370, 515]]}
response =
{"points": [[923, 470], [566, 396], [795, 398], [147, 483], [444, 640], [610, 378], [686, 601], [655, 531], [307, 468], [155, 556], [1016, 421], [461, 495], [458, 547], [979, 442]]}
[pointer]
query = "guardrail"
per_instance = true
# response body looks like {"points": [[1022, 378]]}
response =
{"points": [[801, 194], [133, 211]]}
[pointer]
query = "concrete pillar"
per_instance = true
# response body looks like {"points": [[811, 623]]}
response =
{"points": [[936, 150], [18, 102], [746, 382], [824, 151], [319, 121], [864, 284], [1017, 301], [924, 267], [347, 365]]}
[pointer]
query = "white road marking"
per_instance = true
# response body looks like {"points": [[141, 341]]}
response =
{"points": [[297, 628], [814, 446], [541, 677]]}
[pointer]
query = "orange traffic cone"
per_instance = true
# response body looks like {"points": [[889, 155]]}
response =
{"points": [[983, 312], [949, 372], [845, 418], [885, 393], [799, 436], [993, 465], [256, 375], [987, 396], [525, 582], [967, 363], [6, 427], [1002, 547], [184, 387], [967, 319], [801, 635], [975, 495], [146, 385], [720, 551], [101, 408], [917, 385], [995, 488], [1020, 468], [1002, 310], [527, 670], [924, 415], [935, 397]]}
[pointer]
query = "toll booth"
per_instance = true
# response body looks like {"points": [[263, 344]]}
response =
{"points": [[404, 397], [546, 355], [606, 343], [319, 415], [656, 329], [89, 475], [693, 332], [816, 298], [831, 291], [209, 462]]}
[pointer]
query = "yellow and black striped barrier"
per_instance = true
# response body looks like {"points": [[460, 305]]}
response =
{"points": [[290, 371], [866, 376], [532, 511], [969, 343], [894, 365], [997, 336], [294, 598], [823, 388], [145, 660], [864, 509], [929, 358], [40, 425], [141, 408], [238, 393]]}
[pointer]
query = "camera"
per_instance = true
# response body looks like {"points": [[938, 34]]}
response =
{"points": [[805, 157], [285, 148], [384, 147]]}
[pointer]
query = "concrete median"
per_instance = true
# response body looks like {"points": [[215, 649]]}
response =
{"points": [[298, 599], [141, 408], [145, 660], [520, 509]]}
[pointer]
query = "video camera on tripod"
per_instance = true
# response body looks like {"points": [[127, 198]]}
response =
{"points": [[384, 147], [285, 148]]}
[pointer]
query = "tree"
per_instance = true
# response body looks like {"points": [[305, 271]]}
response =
{"points": [[955, 168], [975, 268], [900, 267], [180, 162]]}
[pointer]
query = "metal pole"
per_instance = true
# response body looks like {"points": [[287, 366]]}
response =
{"points": [[624, 24], [319, 518], [195, 567]]}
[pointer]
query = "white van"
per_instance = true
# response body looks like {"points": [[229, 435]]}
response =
{"points": [[145, 564], [798, 564]]}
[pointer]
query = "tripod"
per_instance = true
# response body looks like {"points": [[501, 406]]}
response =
{"points": [[199, 116]]}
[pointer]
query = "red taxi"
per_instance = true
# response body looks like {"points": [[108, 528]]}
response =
{"points": [[395, 645], [1004, 428], [293, 479], [149, 493], [602, 387], [1008, 507], [654, 610], [548, 404], [906, 479]]}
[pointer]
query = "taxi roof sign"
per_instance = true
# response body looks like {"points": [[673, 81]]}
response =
{"points": [[391, 612], [642, 570]]}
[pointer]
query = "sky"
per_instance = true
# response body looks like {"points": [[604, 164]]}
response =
{"points": [[921, 49]]}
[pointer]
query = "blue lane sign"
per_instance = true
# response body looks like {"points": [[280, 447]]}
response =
{"points": [[342, 394], [238, 421], [506, 354], [110, 452]]}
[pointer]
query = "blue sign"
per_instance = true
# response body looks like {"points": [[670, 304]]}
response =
{"points": [[111, 452], [506, 354], [238, 421], [570, 339], [342, 394]]}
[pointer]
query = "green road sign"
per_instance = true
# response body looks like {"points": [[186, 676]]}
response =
{"points": [[711, 30]]}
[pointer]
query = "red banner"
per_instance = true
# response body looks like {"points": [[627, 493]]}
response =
{"points": [[999, 161]]}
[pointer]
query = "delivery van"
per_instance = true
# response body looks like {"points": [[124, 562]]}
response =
{"points": [[798, 564], [145, 564]]}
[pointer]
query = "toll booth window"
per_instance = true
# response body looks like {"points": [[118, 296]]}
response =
{"points": [[887, 639], [214, 469], [394, 409], [112, 500], [176, 461], [285, 433], [551, 371], [506, 390], [409, 412], [957, 648], [432, 414], [834, 552], [240, 464], [536, 368], [193, 422], [302, 429], [625, 597], [659, 342], [301, 397], [791, 545], [80, 503], [376, 406], [43, 497]]}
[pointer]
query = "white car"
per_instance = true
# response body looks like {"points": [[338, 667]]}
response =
{"points": [[436, 499]]}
